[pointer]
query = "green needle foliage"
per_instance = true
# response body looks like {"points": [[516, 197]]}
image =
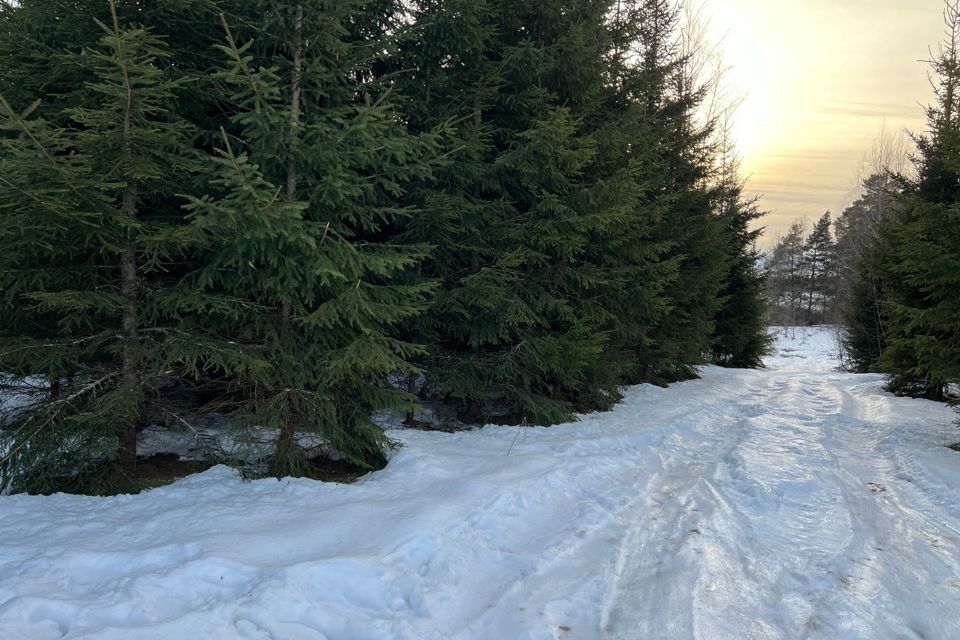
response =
{"points": [[84, 261], [301, 213], [923, 275], [299, 222], [740, 332], [508, 218]]}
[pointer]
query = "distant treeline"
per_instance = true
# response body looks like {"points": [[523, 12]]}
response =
{"points": [[299, 213], [813, 273]]}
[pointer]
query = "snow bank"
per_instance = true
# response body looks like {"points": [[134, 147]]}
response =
{"points": [[794, 502]]}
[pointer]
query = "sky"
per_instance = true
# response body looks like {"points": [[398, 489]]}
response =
{"points": [[819, 79]]}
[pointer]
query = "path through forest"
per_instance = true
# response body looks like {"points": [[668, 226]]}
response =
{"points": [[791, 502]]}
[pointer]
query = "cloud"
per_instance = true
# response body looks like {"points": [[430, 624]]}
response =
{"points": [[872, 110], [809, 156]]}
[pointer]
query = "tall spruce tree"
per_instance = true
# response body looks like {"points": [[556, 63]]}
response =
{"points": [[920, 252], [866, 317], [689, 194], [632, 250], [577, 241], [509, 218], [740, 331], [301, 228], [84, 263]]}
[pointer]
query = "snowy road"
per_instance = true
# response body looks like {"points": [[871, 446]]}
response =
{"points": [[793, 502]]}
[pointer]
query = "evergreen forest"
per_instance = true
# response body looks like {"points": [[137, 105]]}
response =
{"points": [[303, 215]]}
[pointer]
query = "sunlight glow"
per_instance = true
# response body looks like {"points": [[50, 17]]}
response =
{"points": [[818, 80]]}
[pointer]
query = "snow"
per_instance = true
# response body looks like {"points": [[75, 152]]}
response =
{"points": [[805, 348], [17, 393], [792, 502]]}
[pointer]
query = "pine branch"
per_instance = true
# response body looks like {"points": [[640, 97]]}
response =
{"points": [[43, 151], [238, 58], [49, 416]]}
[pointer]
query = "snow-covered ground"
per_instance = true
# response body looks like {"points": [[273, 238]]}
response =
{"points": [[793, 502]]}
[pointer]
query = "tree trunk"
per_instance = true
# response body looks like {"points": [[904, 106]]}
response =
{"points": [[296, 92], [286, 437], [130, 368], [130, 374], [410, 420], [285, 442], [813, 288], [474, 412]]}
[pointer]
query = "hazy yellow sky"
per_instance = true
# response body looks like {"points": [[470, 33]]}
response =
{"points": [[818, 79]]}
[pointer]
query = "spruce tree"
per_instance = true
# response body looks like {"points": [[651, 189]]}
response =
{"points": [[301, 224], [785, 276], [603, 259], [688, 193], [84, 263], [920, 253], [818, 267], [509, 219], [631, 250], [860, 297], [921, 263], [866, 317], [740, 333]]}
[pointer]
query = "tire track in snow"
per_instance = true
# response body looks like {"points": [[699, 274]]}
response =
{"points": [[810, 561], [659, 558], [905, 551]]}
